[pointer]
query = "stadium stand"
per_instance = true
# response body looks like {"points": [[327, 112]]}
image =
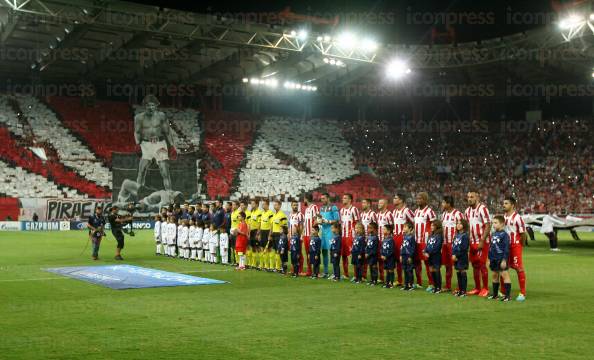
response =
{"points": [[227, 136], [9, 118], [70, 150], [533, 165], [19, 182], [314, 154], [266, 175], [283, 155], [106, 127], [18, 156]]}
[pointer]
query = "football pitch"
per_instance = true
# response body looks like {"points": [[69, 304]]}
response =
{"points": [[262, 316]]}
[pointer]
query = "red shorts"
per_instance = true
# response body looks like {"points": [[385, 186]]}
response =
{"points": [[478, 258], [397, 245], [419, 256], [346, 246], [515, 257], [241, 244], [446, 254]]}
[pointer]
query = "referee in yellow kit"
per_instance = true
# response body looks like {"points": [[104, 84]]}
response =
{"points": [[279, 220]]}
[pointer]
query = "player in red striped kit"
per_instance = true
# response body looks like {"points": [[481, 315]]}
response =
{"points": [[516, 229], [401, 215], [309, 220], [296, 219], [424, 215], [368, 216], [449, 218], [384, 217], [349, 216], [479, 220]]}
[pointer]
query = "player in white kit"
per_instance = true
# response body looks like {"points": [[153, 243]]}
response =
{"points": [[198, 240], [171, 235], [205, 242], [224, 245], [213, 243], [157, 234], [183, 240]]}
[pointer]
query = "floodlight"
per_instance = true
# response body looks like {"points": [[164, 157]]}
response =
{"points": [[570, 21], [302, 34], [397, 69], [369, 45], [346, 40]]}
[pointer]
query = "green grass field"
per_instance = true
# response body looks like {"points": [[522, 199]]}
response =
{"points": [[267, 316]]}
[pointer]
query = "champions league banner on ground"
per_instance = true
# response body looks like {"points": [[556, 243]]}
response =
{"points": [[120, 277]]}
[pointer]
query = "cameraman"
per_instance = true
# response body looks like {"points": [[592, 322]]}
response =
{"points": [[117, 222], [96, 224]]}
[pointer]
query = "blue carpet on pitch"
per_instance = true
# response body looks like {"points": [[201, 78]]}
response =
{"points": [[130, 277]]}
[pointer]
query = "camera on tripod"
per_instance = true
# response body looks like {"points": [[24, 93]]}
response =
{"points": [[129, 216]]}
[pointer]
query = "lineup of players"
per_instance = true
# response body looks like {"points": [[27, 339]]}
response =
{"points": [[392, 244]]}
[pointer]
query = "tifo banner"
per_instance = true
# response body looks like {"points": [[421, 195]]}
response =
{"points": [[10, 226], [59, 209], [130, 277], [182, 172], [45, 225]]}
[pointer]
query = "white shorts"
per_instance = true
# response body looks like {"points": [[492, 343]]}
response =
{"points": [[205, 245], [154, 150], [198, 244], [212, 248], [158, 239]]}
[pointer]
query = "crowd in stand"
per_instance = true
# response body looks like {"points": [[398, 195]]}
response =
{"points": [[548, 165]]}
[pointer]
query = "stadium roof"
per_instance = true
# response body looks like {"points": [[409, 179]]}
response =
{"points": [[67, 40]]}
